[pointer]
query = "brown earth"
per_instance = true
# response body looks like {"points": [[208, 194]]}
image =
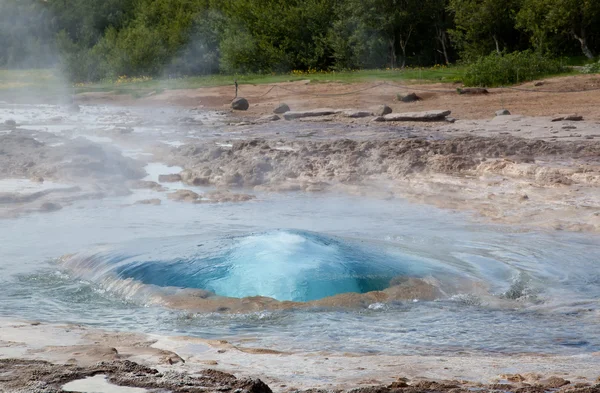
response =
{"points": [[563, 95]]}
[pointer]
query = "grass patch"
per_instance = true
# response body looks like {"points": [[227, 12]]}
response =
{"points": [[512, 68]]}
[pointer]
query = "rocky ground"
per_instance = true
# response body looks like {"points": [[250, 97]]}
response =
{"points": [[44, 358]]}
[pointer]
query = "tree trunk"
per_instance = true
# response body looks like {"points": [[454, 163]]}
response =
{"points": [[441, 36], [583, 41], [392, 44], [497, 44], [403, 44]]}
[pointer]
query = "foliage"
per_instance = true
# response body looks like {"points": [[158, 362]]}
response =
{"points": [[102, 40], [592, 68], [507, 69]]}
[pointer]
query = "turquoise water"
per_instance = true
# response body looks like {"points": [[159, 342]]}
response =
{"points": [[532, 292]]}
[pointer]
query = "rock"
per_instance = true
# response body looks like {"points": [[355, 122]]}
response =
{"points": [[450, 120], [554, 382], [184, 196], [418, 116], [37, 179], [10, 123], [154, 202], [538, 84], [503, 112], [412, 97], [172, 178], [567, 118], [240, 104], [472, 90], [574, 118], [147, 184], [357, 114], [266, 119], [281, 109], [569, 128], [381, 110], [310, 113], [50, 207]]}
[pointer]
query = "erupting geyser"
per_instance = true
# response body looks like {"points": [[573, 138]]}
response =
{"points": [[283, 265]]}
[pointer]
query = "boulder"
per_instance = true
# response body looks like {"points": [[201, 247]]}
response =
{"points": [[147, 184], [184, 196], [240, 104], [281, 108], [412, 97], [472, 90], [357, 114], [10, 123], [172, 178], [438, 115], [381, 110], [310, 113], [503, 112]]}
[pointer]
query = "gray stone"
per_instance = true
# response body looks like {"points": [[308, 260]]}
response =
{"points": [[310, 113], [281, 108], [10, 123], [357, 114], [472, 90], [418, 116], [171, 178], [240, 104], [503, 112], [574, 118], [412, 97], [382, 110]]}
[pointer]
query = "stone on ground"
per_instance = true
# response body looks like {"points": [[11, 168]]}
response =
{"points": [[240, 104], [357, 114], [412, 97], [281, 108], [503, 112], [472, 90], [309, 113], [438, 115], [381, 110]]}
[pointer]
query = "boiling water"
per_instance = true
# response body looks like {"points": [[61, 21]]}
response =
{"points": [[499, 289]]}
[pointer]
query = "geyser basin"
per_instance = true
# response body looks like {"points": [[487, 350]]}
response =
{"points": [[283, 264]]}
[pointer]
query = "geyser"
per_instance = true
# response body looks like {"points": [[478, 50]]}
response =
{"points": [[284, 265]]}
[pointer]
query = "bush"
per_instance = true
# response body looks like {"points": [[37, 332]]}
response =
{"points": [[511, 68], [593, 68]]}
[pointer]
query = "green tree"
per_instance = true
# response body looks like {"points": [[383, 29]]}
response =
{"points": [[484, 25], [579, 19]]}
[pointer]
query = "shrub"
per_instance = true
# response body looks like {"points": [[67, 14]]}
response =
{"points": [[511, 68], [593, 68]]}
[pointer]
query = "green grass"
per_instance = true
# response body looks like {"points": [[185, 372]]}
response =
{"points": [[49, 82], [23, 79]]}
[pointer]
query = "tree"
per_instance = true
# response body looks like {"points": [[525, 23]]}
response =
{"points": [[579, 19], [484, 25]]}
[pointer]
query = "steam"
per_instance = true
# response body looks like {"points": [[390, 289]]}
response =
{"points": [[29, 59]]}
